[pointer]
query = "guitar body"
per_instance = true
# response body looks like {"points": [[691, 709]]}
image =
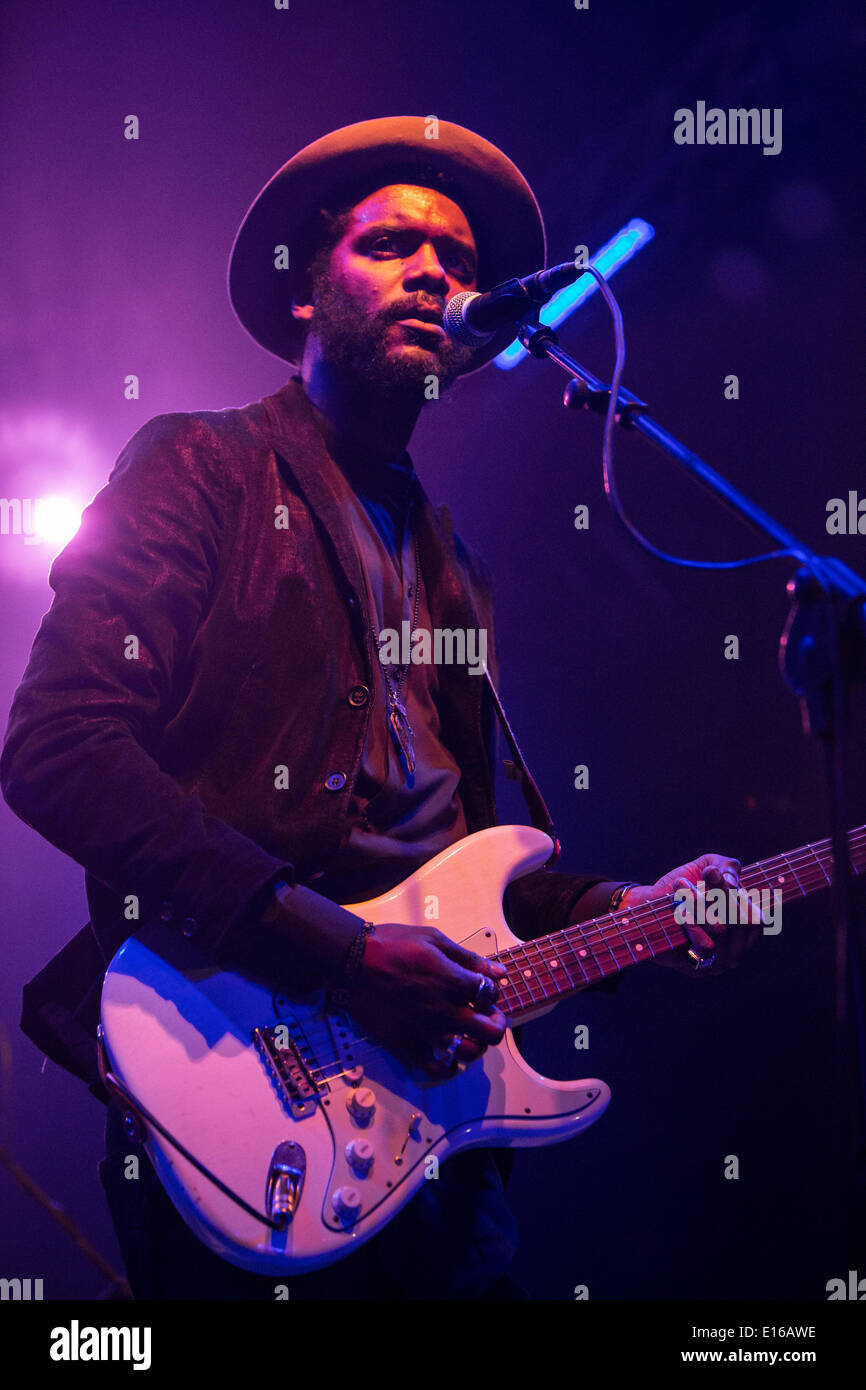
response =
{"points": [[233, 1071]]}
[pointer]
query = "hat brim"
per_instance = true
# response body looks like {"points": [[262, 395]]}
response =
{"points": [[350, 163]]}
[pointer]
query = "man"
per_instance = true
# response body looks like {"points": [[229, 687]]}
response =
{"points": [[206, 724]]}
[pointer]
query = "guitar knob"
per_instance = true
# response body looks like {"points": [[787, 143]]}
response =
{"points": [[361, 1104], [359, 1154], [346, 1202]]}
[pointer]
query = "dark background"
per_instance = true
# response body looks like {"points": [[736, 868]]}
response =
{"points": [[115, 256]]}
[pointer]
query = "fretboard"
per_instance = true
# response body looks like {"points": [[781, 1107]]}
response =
{"points": [[551, 967]]}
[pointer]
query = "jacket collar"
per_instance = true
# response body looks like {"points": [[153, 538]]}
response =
{"points": [[296, 438]]}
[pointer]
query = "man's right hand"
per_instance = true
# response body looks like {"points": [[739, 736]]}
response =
{"points": [[413, 995]]}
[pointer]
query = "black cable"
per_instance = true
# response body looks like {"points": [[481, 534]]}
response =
{"points": [[850, 1029], [610, 486], [138, 1109]]}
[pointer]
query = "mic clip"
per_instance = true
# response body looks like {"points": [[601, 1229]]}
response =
{"points": [[578, 396]]}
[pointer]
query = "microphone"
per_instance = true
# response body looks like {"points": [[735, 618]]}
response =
{"points": [[474, 319]]}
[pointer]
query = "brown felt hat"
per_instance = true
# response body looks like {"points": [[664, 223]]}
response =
{"points": [[343, 168]]}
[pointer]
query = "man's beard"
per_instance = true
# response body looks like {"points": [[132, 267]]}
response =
{"points": [[355, 342]]}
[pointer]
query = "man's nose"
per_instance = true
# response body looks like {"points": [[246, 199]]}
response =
{"points": [[426, 266]]}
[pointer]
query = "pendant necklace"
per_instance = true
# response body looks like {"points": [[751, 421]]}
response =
{"points": [[398, 720]]}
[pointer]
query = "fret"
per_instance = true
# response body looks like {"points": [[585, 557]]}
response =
{"points": [[660, 923], [534, 946], [646, 940], [793, 871], [526, 978], [621, 929], [567, 944], [514, 979], [509, 998], [556, 957], [529, 976], [601, 928], [531, 971], [587, 947], [507, 989], [765, 875], [820, 863]]}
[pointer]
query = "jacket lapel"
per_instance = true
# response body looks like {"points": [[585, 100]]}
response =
{"points": [[296, 438]]}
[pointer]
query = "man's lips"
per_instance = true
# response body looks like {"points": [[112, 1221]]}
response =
{"points": [[431, 326]]}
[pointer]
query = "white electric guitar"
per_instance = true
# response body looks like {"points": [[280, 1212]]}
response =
{"points": [[283, 1138]]}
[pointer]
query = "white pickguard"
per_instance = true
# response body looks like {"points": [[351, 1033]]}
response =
{"points": [[178, 1034]]}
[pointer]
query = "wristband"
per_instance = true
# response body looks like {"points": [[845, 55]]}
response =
{"points": [[618, 894], [339, 997]]}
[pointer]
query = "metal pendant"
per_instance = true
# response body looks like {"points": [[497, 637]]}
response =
{"points": [[402, 732]]}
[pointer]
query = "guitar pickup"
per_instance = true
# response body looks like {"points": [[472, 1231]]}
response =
{"points": [[290, 1061]]}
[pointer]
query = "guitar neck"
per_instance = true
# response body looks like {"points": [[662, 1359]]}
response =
{"points": [[550, 967]]}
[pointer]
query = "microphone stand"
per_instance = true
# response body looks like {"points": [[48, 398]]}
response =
{"points": [[821, 653]]}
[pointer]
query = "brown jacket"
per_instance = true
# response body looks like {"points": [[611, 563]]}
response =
{"points": [[154, 768]]}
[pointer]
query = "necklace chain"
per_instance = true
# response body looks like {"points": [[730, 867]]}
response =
{"points": [[403, 670], [398, 720]]}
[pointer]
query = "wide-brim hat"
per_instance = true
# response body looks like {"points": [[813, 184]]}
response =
{"points": [[343, 168]]}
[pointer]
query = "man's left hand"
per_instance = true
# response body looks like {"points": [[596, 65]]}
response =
{"points": [[728, 942]]}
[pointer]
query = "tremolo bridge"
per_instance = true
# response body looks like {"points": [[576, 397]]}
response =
{"points": [[291, 1063]]}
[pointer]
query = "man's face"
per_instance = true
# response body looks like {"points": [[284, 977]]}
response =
{"points": [[407, 250]]}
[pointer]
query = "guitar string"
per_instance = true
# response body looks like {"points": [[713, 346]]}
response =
{"points": [[620, 932], [362, 1047], [638, 927], [627, 927], [810, 875], [801, 857], [610, 925]]}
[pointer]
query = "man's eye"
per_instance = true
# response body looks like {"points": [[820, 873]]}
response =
{"points": [[391, 244], [461, 266]]}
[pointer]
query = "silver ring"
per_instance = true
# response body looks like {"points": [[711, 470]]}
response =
{"points": [[486, 991], [702, 962], [445, 1055]]}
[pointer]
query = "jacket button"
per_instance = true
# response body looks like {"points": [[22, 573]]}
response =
{"points": [[358, 696], [190, 926], [335, 782], [165, 912]]}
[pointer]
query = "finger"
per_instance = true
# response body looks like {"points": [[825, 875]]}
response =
{"points": [[483, 965], [462, 985], [725, 873], [436, 1056], [441, 1057], [743, 909], [694, 903], [470, 1051], [486, 1029], [487, 993], [702, 943], [437, 1071]]}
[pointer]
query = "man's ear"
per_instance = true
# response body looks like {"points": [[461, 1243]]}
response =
{"points": [[303, 312], [302, 299]]}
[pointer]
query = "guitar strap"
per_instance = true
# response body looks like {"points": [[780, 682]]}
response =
{"points": [[517, 770]]}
